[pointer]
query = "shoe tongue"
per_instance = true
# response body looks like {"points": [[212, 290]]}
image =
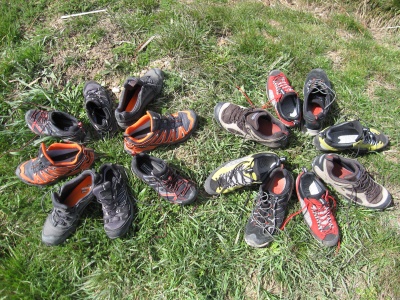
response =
{"points": [[359, 128], [155, 120], [353, 171], [43, 156], [55, 198], [260, 169], [103, 191], [162, 173], [130, 84], [253, 117], [320, 101]]}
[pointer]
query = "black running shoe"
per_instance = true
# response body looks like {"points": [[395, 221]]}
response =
{"points": [[99, 109], [163, 179], [318, 97], [56, 124], [137, 93], [269, 208], [115, 197]]}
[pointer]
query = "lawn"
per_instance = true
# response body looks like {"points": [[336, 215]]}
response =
{"points": [[205, 49]]}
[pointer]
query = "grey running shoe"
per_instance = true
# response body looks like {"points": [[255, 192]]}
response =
{"points": [[245, 171], [269, 208], [56, 124], [68, 204], [351, 180], [99, 109], [163, 179], [137, 93], [318, 97], [254, 124], [115, 197]]}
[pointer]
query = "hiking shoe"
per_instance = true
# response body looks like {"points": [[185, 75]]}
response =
{"points": [[58, 161], [99, 109], [115, 197], [254, 124], [269, 208], [137, 93], [68, 206], [284, 98], [351, 180], [163, 179], [55, 123], [316, 204], [245, 171], [318, 97], [153, 130], [350, 136]]}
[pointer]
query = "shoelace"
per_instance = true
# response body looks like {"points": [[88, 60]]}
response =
{"points": [[61, 216], [322, 211], [113, 201], [281, 84], [265, 212], [42, 118], [96, 96], [38, 165], [366, 184], [320, 87], [174, 183], [235, 177], [369, 137]]}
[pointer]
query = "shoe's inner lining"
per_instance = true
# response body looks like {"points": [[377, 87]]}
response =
{"points": [[277, 184], [341, 170], [310, 187], [289, 107], [347, 136], [78, 192], [148, 166], [60, 121], [315, 109], [63, 155], [96, 114], [266, 127], [132, 101]]}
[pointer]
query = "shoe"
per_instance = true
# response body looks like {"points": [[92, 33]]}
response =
{"points": [[245, 171], [153, 130], [318, 97], [56, 124], [99, 109], [68, 206], [115, 197], [316, 203], [137, 93], [269, 208], [284, 98], [350, 136], [254, 124], [163, 179], [58, 161], [351, 180]]}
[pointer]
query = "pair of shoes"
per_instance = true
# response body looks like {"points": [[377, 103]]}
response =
{"points": [[56, 124], [318, 97], [153, 130], [110, 188], [163, 179], [350, 135], [57, 161], [254, 124]]}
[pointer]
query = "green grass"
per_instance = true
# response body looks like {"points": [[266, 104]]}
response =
{"points": [[205, 48]]}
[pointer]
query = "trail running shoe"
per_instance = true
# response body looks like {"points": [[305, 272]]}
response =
{"points": [[254, 124], [153, 130], [318, 97], [116, 200], [68, 206], [56, 124], [137, 93], [284, 98], [99, 109], [58, 161], [350, 136], [245, 171], [269, 208], [316, 205], [351, 180], [163, 179]]}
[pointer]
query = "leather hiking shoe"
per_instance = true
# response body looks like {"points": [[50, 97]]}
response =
{"points": [[58, 161], [56, 124], [351, 180], [245, 171], [254, 124], [153, 130], [115, 197], [284, 98], [316, 206], [68, 206], [350, 136], [137, 93], [99, 109], [269, 208], [163, 179], [318, 97]]}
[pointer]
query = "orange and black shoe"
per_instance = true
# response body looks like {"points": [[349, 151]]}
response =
{"points": [[153, 130], [59, 160]]}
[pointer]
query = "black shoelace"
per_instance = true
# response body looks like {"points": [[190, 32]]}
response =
{"points": [[366, 185], [235, 177], [369, 137], [174, 183], [319, 86]]}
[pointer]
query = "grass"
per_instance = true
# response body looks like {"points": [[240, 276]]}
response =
{"points": [[205, 48]]}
